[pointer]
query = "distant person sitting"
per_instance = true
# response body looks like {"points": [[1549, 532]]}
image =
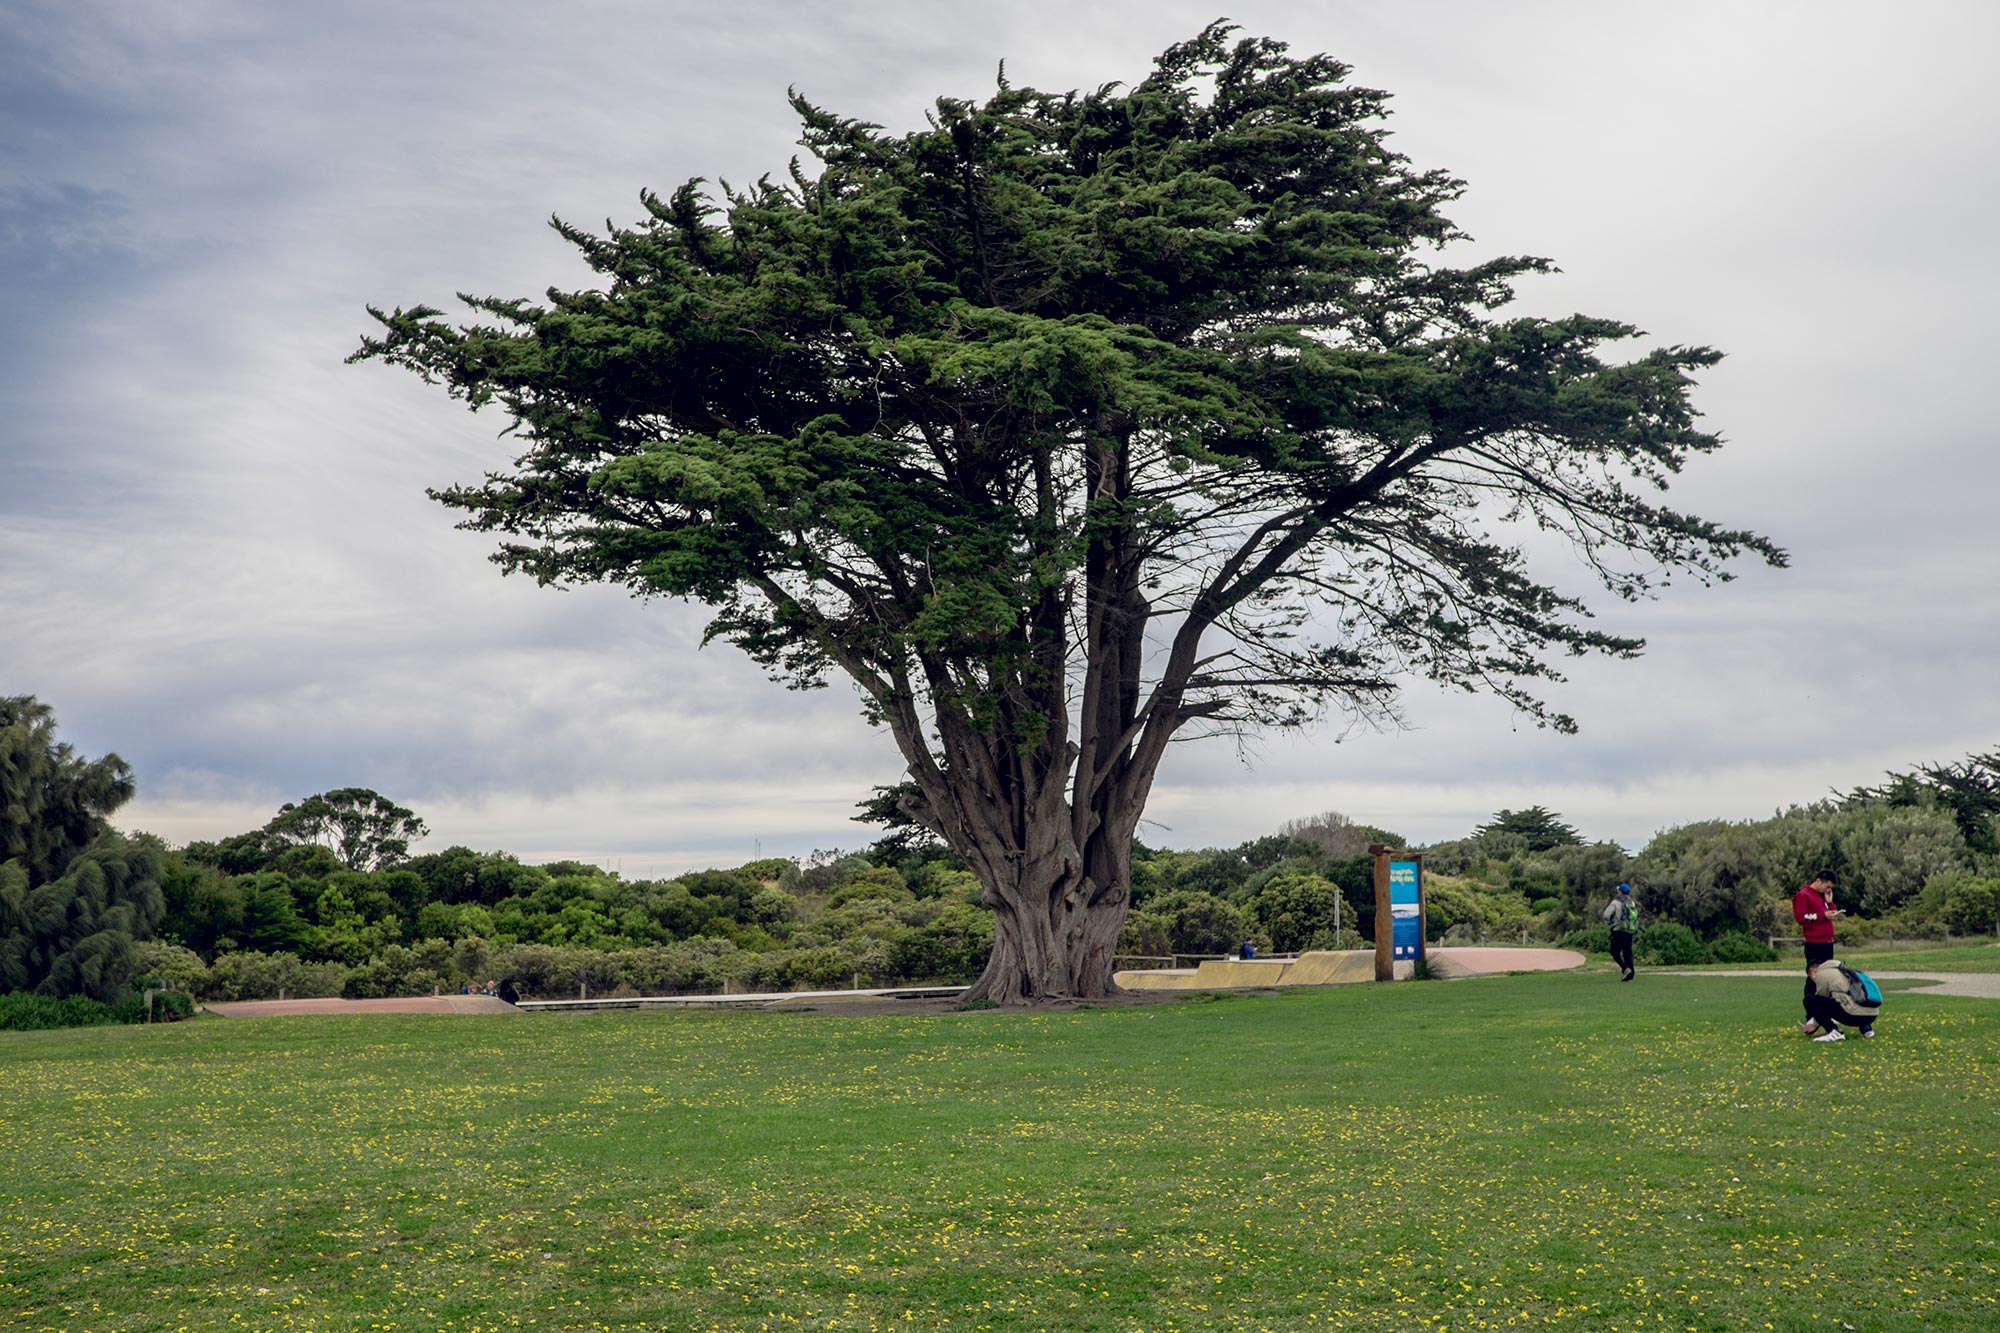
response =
{"points": [[1833, 1001], [1249, 951], [508, 993]]}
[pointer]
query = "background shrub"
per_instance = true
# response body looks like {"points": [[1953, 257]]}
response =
{"points": [[1668, 944], [23, 1012], [1739, 948], [248, 975], [1591, 939]]}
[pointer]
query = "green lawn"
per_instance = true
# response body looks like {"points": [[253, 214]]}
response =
{"points": [[1559, 1151]]}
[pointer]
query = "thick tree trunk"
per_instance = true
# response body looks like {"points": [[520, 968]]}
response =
{"points": [[1102, 899], [1054, 933]]}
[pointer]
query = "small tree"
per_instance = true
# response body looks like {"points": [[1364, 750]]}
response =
{"points": [[1300, 911], [366, 830], [1540, 829], [1335, 835], [1074, 424]]}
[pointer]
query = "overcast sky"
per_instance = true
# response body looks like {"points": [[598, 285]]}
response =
{"points": [[216, 557]]}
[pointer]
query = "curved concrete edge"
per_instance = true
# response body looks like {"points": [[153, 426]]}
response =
{"points": [[1344, 968], [1490, 962], [1323, 968], [1217, 973]]}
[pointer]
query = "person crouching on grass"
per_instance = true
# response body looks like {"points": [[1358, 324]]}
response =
{"points": [[1831, 1002]]}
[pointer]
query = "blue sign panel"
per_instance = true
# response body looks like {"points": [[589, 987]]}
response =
{"points": [[1405, 910]]}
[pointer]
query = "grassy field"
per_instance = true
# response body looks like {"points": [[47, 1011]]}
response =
{"points": [[1556, 1151]]}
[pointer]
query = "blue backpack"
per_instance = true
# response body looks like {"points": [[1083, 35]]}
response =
{"points": [[1861, 986]]}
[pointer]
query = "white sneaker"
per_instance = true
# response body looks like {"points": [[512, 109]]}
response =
{"points": [[1835, 1035], [1868, 1032], [1809, 1027]]}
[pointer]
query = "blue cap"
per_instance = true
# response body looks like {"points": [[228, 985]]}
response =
{"points": [[1624, 888]]}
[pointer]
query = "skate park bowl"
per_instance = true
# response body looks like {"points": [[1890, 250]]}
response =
{"points": [[1329, 968]]}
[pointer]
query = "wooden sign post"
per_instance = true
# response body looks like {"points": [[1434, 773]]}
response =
{"points": [[1399, 912]]}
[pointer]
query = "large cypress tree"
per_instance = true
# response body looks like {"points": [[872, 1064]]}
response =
{"points": [[1075, 423], [75, 895]]}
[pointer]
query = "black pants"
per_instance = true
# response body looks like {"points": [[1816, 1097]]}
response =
{"points": [[1621, 949], [1826, 1011], [1815, 955]]}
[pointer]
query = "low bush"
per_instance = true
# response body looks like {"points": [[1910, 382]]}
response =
{"points": [[1668, 944], [23, 1012], [1591, 939], [1852, 929], [1739, 948], [250, 975]]}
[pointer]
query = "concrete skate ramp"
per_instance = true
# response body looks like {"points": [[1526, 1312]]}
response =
{"points": [[1326, 968], [1226, 973], [1171, 978], [1469, 962]]}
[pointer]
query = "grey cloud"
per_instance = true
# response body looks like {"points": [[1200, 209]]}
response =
{"points": [[217, 558]]}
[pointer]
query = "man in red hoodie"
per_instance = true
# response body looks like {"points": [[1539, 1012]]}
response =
{"points": [[1813, 909]]}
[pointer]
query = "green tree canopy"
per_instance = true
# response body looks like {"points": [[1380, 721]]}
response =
{"points": [[75, 895], [365, 829], [1299, 912], [1539, 828], [1071, 424], [1969, 789]]}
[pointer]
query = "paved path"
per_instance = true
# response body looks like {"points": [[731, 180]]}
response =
{"points": [[415, 1004], [1459, 962], [1979, 985]]}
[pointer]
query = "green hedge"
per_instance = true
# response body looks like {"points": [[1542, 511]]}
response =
{"points": [[1591, 939], [1737, 948], [21, 1011], [1669, 944]]}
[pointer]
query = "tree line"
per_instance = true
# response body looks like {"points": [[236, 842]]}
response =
{"points": [[326, 898]]}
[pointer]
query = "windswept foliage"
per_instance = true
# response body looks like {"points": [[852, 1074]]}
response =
{"points": [[1967, 789], [75, 896]]}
